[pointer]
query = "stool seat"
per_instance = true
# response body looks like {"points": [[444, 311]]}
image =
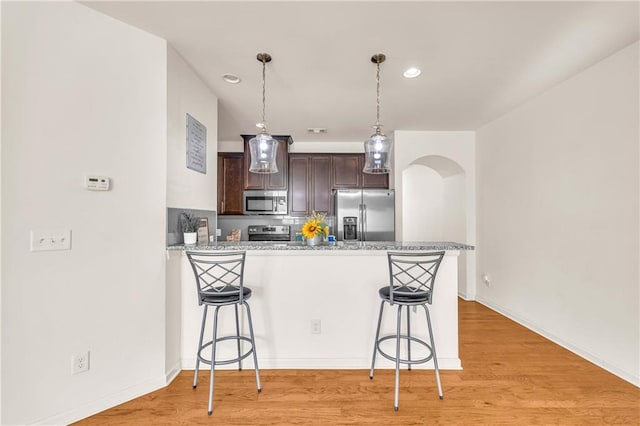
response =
{"points": [[411, 281], [404, 295], [220, 282], [227, 295]]}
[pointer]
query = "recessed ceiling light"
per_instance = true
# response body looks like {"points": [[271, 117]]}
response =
{"points": [[231, 78], [412, 72], [316, 130]]}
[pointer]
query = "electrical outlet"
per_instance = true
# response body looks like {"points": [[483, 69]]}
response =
{"points": [[486, 279], [80, 363], [315, 326], [218, 232]]}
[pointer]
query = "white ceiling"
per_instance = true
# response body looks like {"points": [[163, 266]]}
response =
{"points": [[478, 59]]}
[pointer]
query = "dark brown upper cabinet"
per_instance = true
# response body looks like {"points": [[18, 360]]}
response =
{"points": [[309, 184], [230, 183], [346, 173], [271, 181]]}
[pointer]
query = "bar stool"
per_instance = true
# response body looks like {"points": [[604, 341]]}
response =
{"points": [[411, 280], [219, 278]]}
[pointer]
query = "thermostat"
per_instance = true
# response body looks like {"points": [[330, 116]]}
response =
{"points": [[96, 183]]}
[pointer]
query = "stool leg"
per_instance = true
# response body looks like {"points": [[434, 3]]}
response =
{"points": [[409, 337], [399, 320], [238, 340], [213, 357], [253, 347], [433, 351], [204, 322], [375, 342]]}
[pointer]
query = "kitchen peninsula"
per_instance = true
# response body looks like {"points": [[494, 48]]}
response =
{"points": [[332, 287]]}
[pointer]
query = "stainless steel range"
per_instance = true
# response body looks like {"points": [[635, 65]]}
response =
{"points": [[269, 233]]}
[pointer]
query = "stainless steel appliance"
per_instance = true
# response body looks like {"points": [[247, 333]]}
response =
{"points": [[365, 215], [264, 202], [268, 232]]}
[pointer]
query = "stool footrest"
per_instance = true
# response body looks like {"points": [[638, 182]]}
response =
{"points": [[225, 361], [402, 360]]}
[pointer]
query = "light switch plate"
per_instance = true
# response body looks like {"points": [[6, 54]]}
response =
{"points": [[51, 239]]}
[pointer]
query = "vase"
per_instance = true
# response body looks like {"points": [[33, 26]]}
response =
{"points": [[315, 241], [190, 238]]}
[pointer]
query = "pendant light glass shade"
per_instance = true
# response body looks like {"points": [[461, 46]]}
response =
{"points": [[376, 154], [263, 148], [377, 148]]}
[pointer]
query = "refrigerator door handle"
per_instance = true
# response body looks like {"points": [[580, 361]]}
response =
{"points": [[364, 221], [360, 227]]}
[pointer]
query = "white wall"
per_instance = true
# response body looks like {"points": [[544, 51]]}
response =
{"points": [[186, 93], [186, 188], [421, 215], [558, 214], [82, 93], [440, 168], [0, 231]]}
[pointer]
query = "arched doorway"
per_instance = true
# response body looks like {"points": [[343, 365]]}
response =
{"points": [[434, 206]]}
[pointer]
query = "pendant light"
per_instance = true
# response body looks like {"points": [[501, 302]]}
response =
{"points": [[263, 147], [378, 146]]}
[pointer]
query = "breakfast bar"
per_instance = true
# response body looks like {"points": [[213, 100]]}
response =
{"points": [[316, 306]]}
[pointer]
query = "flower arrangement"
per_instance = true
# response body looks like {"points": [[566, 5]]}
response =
{"points": [[315, 226]]}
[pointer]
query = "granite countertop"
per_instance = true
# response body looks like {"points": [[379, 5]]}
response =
{"points": [[340, 245]]}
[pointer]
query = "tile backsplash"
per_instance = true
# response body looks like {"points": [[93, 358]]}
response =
{"points": [[227, 223], [174, 231]]}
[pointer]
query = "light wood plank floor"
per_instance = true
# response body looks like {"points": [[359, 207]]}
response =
{"points": [[511, 376]]}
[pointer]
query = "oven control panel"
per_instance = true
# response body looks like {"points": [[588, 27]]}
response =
{"points": [[268, 232]]}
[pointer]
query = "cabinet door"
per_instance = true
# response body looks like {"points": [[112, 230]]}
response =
{"points": [[274, 181], [345, 171], [230, 171], [278, 181], [298, 185], [373, 181], [320, 184]]}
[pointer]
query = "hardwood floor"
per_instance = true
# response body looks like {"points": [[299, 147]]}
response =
{"points": [[511, 376]]}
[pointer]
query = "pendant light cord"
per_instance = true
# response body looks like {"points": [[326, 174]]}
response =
{"points": [[378, 97], [264, 123]]}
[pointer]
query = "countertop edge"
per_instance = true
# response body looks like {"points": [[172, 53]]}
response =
{"points": [[297, 246]]}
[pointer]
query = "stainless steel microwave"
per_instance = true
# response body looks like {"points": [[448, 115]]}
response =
{"points": [[264, 202]]}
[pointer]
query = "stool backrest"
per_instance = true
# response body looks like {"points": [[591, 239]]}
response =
{"points": [[218, 274], [413, 274]]}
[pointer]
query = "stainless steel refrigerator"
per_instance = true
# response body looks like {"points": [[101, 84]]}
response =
{"points": [[364, 215]]}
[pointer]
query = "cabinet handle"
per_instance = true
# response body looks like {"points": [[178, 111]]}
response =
{"points": [[222, 207]]}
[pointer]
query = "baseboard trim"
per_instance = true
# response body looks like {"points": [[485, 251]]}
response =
{"points": [[465, 297], [625, 375], [108, 401], [173, 373]]}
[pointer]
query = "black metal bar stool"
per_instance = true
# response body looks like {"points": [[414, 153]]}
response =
{"points": [[219, 278], [411, 280]]}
